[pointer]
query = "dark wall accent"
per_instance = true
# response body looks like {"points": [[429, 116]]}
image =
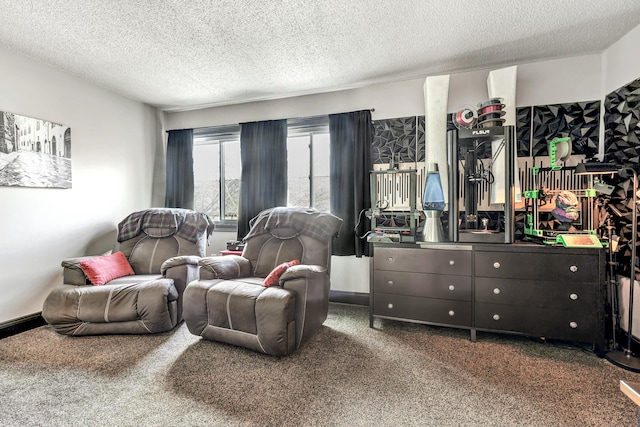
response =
{"points": [[404, 137], [420, 151], [523, 131], [580, 121], [394, 136], [21, 324], [621, 124], [354, 298]]}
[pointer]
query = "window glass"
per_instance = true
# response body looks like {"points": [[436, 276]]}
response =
{"points": [[298, 169], [308, 170], [320, 179], [232, 169], [206, 175], [217, 167]]}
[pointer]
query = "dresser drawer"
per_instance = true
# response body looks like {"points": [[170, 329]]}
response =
{"points": [[549, 323], [430, 310], [558, 267], [537, 293], [423, 285], [436, 261]]}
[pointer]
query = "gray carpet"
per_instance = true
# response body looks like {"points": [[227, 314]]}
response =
{"points": [[348, 375]]}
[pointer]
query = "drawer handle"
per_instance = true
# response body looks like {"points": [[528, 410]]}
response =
{"points": [[496, 264], [573, 325], [496, 291], [451, 313], [452, 288], [390, 282], [390, 259], [451, 262], [390, 306], [573, 296], [573, 268], [496, 317]]}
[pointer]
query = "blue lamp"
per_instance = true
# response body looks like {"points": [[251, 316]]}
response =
{"points": [[433, 204]]}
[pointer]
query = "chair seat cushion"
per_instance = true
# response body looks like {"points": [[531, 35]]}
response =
{"points": [[142, 306], [242, 312]]}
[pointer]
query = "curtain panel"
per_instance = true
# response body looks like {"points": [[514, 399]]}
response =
{"points": [[179, 187], [350, 139], [263, 183]]}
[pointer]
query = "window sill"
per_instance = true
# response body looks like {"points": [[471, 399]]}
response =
{"points": [[230, 226]]}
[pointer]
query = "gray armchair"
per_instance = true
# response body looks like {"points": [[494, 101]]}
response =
{"points": [[229, 302], [163, 247]]}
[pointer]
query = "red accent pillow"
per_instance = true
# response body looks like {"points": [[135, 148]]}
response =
{"points": [[101, 269], [274, 277]]}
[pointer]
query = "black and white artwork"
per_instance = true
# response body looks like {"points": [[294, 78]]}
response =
{"points": [[34, 152]]}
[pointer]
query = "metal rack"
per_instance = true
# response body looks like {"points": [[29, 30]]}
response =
{"points": [[393, 203], [463, 146], [549, 182]]}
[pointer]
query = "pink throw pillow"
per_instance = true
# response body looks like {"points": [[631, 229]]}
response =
{"points": [[274, 277], [101, 269]]}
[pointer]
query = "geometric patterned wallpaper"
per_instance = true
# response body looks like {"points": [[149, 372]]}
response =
{"points": [[523, 130], [622, 125], [405, 137], [579, 121], [394, 137]]}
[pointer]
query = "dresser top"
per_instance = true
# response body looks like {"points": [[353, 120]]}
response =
{"points": [[518, 247]]}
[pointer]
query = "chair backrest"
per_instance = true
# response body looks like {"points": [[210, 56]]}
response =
{"points": [[151, 236], [283, 234]]}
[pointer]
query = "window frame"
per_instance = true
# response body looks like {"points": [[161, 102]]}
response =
{"points": [[220, 135], [308, 126]]}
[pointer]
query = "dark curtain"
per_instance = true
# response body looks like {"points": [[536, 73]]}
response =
{"points": [[179, 189], [351, 136], [263, 183]]}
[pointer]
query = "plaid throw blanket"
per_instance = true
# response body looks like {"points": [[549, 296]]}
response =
{"points": [[163, 222], [321, 226]]}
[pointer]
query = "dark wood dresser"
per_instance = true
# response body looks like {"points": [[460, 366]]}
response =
{"points": [[542, 291]]}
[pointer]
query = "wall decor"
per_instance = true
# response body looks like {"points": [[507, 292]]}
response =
{"points": [[34, 152], [420, 151], [523, 131], [622, 124], [579, 121], [394, 137]]}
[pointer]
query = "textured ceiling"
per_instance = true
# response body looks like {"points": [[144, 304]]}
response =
{"points": [[181, 54]]}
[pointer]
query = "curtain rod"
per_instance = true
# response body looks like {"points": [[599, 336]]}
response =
{"points": [[288, 118]]}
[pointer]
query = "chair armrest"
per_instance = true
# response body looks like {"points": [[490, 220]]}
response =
{"points": [[303, 271], [224, 267], [183, 270], [72, 272], [178, 261], [310, 285]]}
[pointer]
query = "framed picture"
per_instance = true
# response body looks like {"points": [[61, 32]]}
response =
{"points": [[34, 152]]}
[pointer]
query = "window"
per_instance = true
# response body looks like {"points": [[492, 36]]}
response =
{"points": [[217, 168], [308, 170]]}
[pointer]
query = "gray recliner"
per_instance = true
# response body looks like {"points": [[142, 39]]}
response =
{"points": [[229, 302], [163, 246]]}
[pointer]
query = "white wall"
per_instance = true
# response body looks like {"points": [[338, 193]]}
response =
{"points": [[114, 143], [566, 80], [621, 62]]}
